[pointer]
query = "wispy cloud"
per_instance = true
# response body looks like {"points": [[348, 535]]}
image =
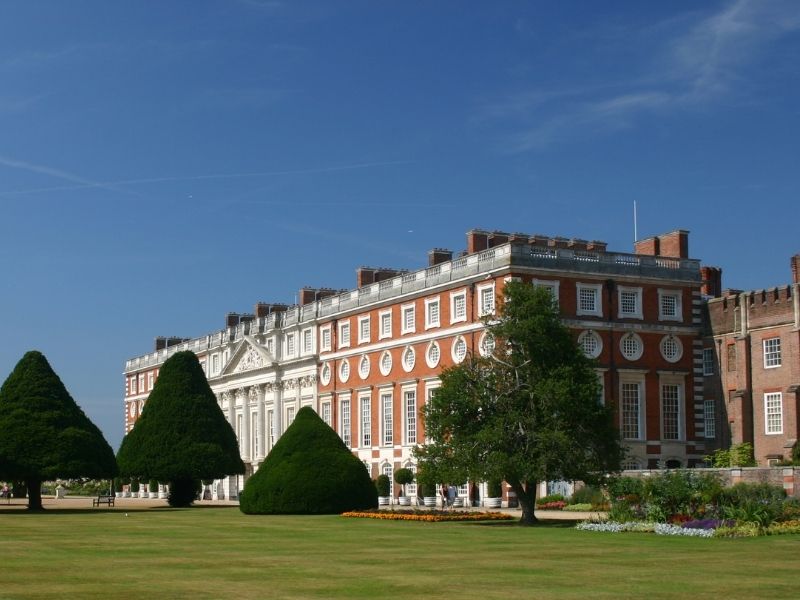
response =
{"points": [[703, 60]]}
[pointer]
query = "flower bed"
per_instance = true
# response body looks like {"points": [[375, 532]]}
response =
{"points": [[428, 515], [557, 505], [706, 528]]}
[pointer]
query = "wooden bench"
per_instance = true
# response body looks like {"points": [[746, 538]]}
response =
{"points": [[109, 500]]}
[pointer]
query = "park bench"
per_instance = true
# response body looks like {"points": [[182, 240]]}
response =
{"points": [[109, 500]]}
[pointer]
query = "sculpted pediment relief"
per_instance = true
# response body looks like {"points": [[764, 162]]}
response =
{"points": [[248, 356]]}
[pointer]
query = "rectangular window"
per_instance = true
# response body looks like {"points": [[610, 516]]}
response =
{"points": [[289, 416], [408, 323], [388, 407], [708, 361], [630, 303], [141, 383], [344, 335], [289, 344], [589, 299], [551, 286], [386, 324], [132, 385], [772, 353], [271, 427], [151, 378], [486, 299], [366, 422], [307, 342], [458, 307], [215, 364], [326, 413], [773, 412], [344, 407], [671, 411], [709, 419], [271, 346], [431, 313], [631, 404], [254, 434], [669, 305], [363, 330], [410, 402], [239, 432], [326, 338]]}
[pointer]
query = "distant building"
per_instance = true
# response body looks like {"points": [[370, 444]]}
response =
{"points": [[367, 359], [752, 367]]}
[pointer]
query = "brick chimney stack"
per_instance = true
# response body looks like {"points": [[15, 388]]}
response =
{"points": [[438, 256], [712, 281], [795, 261]]}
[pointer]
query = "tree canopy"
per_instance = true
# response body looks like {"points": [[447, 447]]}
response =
{"points": [[44, 434], [182, 436], [309, 471], [527, 413]]}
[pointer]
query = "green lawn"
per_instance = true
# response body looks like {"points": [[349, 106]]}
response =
{"points": [[221, 553]]}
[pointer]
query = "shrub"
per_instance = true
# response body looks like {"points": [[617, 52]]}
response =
{"points": [[494, 488], [309, 471], [550, 498], [581, 507], [758, 503], [403, 477], [382, 485], [588, 494], [134, 486], [738, 455]]}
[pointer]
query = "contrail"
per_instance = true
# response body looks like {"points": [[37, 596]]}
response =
{"points": [[85, 183]]}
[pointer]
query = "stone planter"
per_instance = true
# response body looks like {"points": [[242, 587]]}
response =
{"points": [[493, 502], [163, 495], [126, 494], [430, 501], [404, 501], [152, 494], [383, 500], [118, 494], [143, 493]]}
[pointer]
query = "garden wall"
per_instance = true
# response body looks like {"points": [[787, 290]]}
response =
{"points": [[788, 477]]}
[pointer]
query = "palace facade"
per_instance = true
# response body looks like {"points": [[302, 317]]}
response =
{"points": [[366, 359]]}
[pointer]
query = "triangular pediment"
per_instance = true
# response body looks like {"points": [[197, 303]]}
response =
{"points": [[248, 355]]}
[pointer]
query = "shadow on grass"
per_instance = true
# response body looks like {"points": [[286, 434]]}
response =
{"points": [[22, 509]]}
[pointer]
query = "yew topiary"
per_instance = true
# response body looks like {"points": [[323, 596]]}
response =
{"points": [[309, 471]]}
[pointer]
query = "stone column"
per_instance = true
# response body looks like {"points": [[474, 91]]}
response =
{"points": [[245, 434], [260, 429]]}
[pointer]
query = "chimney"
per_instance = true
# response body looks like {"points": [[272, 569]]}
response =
{"points": [[558, 242], [576, 244], [538, 240], [675, 244], [712, 281], [795, 262], [306, 296], [596, 246], [231, 319], [477, 241], [161, 343], [438, 256], [364, 276], [496, 238], [648, 246], [262, 309]]}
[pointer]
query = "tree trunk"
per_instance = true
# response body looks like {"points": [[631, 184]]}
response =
{"points": [[526, 494], [34, 494]]}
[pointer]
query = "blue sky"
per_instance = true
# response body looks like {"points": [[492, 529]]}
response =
{"points": [[163, 163]]}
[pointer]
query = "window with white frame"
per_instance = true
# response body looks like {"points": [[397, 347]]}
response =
{"points": [[409, 358], [458, 306], [363, 330], [344, 334], [671, 348], [385, 324], [151, 378], [289, 417], [671, 411], [325, 374], [410, 408], [631, 410], [589, 300], [387, 408], [591, 343], [326, 338], [385, 365], [486, 300], [132, 388], [630, 302], [254, 434], [486, 344], [308, 345], [773, 412], [344, 421], [408, 319], [215, 364], [388, 470], [271, 427], [344, 370], [433, 354], [411, 488], [326, 413], [772, 353], [431, 313], [709, 418], [141, 383], [631, 346], [459, 352], [708, 361], [669, 305], [290, 344], [366, 422], [363, 367], [551, 286]]}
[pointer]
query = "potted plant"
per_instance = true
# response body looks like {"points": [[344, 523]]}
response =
{"points": [[153, 488], [383, 483], [118, 487], [134, 488], [404, 477], [163, 492], [494, 493]]}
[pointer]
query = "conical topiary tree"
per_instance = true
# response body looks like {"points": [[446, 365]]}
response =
{"points": [[44, 434], [182, 435], [309, 471]]}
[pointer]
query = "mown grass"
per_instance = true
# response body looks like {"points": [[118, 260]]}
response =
{"points": [[221, 553]]}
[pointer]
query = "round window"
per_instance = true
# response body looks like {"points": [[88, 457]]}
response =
{"points": [[325, 374], [344, 371], [459, 349], [386, 363], [486, 344], [433, 355], [409, 358], [590, 343], [631, 346], [363, 367], [671, 348]]}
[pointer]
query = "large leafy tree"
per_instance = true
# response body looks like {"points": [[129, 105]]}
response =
{"points": [[44, 434], [526, 413], [182, 435]]}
